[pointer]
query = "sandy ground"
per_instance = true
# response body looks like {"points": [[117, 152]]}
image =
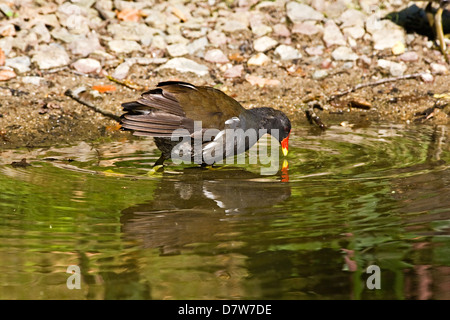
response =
{"points": [[36, 117]]}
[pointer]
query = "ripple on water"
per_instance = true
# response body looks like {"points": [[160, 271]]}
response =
{"points": [[380, 193]]}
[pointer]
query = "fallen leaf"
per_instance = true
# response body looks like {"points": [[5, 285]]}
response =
{"points": [[129, 14], [113, 128], [7, 74], [360, 104], [262, 82], [236, 57], [104, 88]]}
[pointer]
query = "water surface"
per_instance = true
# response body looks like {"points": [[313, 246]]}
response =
{"points": [[351, 198]]}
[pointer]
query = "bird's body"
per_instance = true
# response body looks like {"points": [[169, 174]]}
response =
{"points": [[199, 120]]}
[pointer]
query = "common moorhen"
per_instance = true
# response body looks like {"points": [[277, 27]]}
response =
{"points": [[174, 107]]}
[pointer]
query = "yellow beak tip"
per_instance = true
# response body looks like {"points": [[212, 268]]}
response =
{"points": [[285, 151]]}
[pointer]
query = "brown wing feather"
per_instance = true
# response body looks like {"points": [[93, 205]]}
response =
{"points": [[206, 104], [176, 105]]}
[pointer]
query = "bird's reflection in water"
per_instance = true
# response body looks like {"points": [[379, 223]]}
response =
{"points": [[195, 206]]}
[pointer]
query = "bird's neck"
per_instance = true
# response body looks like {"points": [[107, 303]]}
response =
{"points": [[258, 119]]}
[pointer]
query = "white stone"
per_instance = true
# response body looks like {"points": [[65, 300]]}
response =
{"points": [[332, 35], [438, 68], [264, 44], [87, 66], [36, 81], [124, 46], [354, 32], [396, 69], [385, 34], [344, 54], [258, 59], [20, 64], [287, 52], [177, 50], [299, 12], [216, 56], [51, 56], [185, 65]]}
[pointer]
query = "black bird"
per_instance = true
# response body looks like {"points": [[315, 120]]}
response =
{"points": [[170, 112], [435, 21]]}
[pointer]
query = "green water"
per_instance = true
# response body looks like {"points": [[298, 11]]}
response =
{"points": [[351, 198]]}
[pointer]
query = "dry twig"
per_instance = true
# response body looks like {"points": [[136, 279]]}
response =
{"points": [[75, 96]]}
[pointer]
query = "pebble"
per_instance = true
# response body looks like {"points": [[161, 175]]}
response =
{"points": [[333, 9], [185, 65], [64, 35], [354, 32], [51, 56], [427, 77], [299, 12], [262, 82], [83, 46], [20, 64], [177, 50], [217, 38], [438, 68], [124, 46], [395, 69], [365, 59], [34, 80], [410, 56], [258, 59], [7, 74], [128, 30], [264, 44], [326, 63], [159, 42], [87, 66], [6, 45], [234, 72], [314, 51], [352, 18], [344, 54], [281, 30], [398, 48], [285, 52], [332, 35], [385, 34], [197, 47], [232, 26], [319, 74], [42, 33], [216, 56], [122, 69], [24, 39], [308, 28], [259, 29]]}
